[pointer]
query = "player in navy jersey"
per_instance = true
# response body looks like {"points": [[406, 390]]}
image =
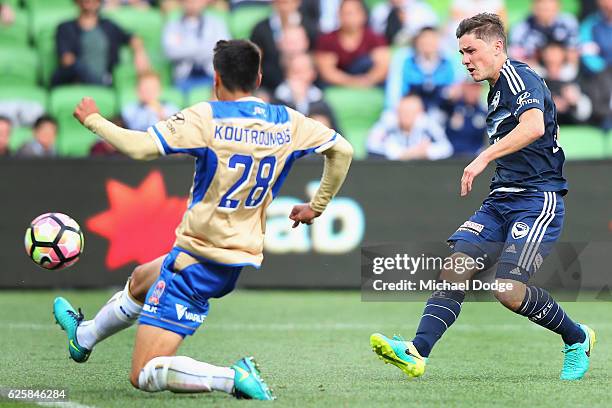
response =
{"points": [[521, 218]]}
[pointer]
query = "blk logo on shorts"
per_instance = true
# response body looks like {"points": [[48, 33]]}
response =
{"points": [[519, 230]]}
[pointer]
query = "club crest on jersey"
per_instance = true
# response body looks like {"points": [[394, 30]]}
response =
{"points": [[496, 100], [519, 230], [157, 292]]}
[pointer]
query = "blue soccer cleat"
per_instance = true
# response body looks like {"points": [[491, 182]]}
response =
{"points": [[69, 320], [400, 353], [248, 383], [577, 356]]}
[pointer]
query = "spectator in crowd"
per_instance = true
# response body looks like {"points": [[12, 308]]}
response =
{"points": [[298, 91], [5, 135], [595, 35], [573, 106], [43, 144], [270, 35], [545, 24], [466, 121], [149, 109], [408, 134], [323, 113], [353, 55], [88, 47], [189, 43], [400, 20], [7, 14], [423, 70]]}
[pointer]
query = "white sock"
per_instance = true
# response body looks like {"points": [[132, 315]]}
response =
{"points": [[184, 374], [120, 312]]}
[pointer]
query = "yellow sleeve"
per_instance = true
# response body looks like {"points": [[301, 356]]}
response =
{"points": [[311, 136], [337, 162], [132, 143], [185, 131]]}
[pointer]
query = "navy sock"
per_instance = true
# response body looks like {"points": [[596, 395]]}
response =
{"points": [[542, 309], [441, 310]]}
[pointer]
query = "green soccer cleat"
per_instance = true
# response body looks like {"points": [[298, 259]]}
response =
{"points": [[400, 353], [248, 383], [69, 320], [577, 356]]}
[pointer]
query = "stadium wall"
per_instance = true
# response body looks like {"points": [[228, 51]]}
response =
{"points": [[128, 212]]}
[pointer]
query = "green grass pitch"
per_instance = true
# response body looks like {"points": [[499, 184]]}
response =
{"points": [[314, 351]]}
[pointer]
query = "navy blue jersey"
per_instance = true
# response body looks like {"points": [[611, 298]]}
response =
{"points": [[538, 166]]}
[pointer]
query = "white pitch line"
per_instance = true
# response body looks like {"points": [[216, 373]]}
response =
{"points": [[316, 326], [63, 404]]}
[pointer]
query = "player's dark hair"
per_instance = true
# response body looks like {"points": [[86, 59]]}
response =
{"points": [[5, 119], [485, 26], [44, 119], [238, 64]]}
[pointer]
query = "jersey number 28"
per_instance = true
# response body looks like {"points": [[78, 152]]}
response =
{"points": [[265, 174]]}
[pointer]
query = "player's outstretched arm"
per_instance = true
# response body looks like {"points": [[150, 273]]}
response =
{"points": [[132, 143], [337, 162], [529, 129]]}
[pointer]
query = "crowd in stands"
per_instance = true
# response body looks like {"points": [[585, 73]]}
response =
{"points": [[406, 49]]}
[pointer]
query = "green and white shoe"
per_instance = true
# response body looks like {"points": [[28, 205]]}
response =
{"points": [[248, 383], [400, 353], [577, 356], [69, 320]]}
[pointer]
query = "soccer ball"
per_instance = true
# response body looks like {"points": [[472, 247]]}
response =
{"points": [[54, 241]]}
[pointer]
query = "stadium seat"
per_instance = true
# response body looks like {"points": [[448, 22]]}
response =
{"points": [[147, 24], [23, 93], [442, 8], [15, 34], [125, 76], [200, 94], [45, 5], [173, 95], [243, 19], [74, 140], [356, 109], [582, 142], [18, 66]]}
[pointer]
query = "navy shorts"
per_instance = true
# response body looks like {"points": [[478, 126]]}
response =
{"points": [[516, 230], [178, 300]]}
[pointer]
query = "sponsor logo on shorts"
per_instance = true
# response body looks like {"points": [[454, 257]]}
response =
{"points": [[150, 309], [472, 227], [511, 249], [182, 312], [157, 292], [519, 230], [537, 262]]}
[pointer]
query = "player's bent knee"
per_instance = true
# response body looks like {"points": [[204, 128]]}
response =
{"points": [[461, 270], [153, 376], [511, 297]]}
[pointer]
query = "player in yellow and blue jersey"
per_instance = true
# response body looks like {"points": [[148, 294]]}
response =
{"points": [[522, 217], [244, 149]]}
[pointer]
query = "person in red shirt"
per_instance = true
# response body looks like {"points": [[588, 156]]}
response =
{"points": [[353, 55]]}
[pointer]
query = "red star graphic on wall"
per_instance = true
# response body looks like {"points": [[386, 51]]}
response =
{"points": [[140, 222]]}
